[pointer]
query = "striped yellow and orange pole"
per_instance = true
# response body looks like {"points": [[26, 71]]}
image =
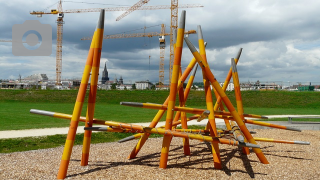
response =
{"points": [[173, 91], [227, 80], [78, 107], [219, 114], [163, 107], [186, 147], [189, 84], [160, 113], [237, 132], [183, 101], [172, 133], [96, 46], [226, 121], [186, 93], [249, 121], [281, 141], [237, 91], [226, 100], [64, 116], [225, 85], [209, 103]]}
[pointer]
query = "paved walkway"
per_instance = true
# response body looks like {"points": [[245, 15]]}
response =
{"points": [[219, 122]]}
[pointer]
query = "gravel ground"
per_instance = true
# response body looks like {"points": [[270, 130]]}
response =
{"points": [[109, 161]]}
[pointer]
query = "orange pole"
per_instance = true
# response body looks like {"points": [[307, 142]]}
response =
{"points": [[96, 46], [209, 103], [163, 107], [237, 91], [270, 125], [226, 100], [182, 99], [172, 133], [160, 113], [226, 121], [227, 80], [173, 91], [79, 102], [281, 141]]}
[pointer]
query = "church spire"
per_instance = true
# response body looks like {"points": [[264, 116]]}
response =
{"points": [[105, 74]]}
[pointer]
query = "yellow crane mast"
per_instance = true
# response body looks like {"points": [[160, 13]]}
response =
{"points": [[173, 27], [162, 42], [60, 23]]}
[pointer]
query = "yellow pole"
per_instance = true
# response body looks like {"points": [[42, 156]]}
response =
{"points": [[78, 105], [226, 100], [182, 101], [172, 133], [226, 121], [96, 46], [208, 94], [237, 91], [227, 80], [281, 141], [160, 113], [173, 91]]}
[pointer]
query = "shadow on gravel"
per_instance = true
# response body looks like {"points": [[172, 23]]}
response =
{"points": [[200, 155]]}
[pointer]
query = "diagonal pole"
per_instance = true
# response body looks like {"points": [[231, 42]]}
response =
{"points": [[209, 103], [226, 100], [237, 91], [78, 105], [173, 91], [96, 46], [156, 119]]}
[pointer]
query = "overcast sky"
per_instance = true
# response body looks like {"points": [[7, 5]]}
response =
{"points": [[280, 39]]}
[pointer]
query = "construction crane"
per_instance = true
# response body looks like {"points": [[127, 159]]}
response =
{"points": [[133, 8], [162, 45], [173, 25], [59, 11]]}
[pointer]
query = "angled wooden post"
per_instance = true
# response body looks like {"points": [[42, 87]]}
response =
{"points": [[96, 45], [145, 136], [227, 80], [226, 100], [173, 91], [237, 91], [209, 103], [79, 102]]}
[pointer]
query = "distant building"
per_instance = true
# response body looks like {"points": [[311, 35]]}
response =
{"points": [[105, 76], [120, 80], [267, 86], [36, 78], [143, 84], [230, 86]]}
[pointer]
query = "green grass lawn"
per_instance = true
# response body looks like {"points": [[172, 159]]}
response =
{"points": [[33, 143], [16, 104], [16, 115]]}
